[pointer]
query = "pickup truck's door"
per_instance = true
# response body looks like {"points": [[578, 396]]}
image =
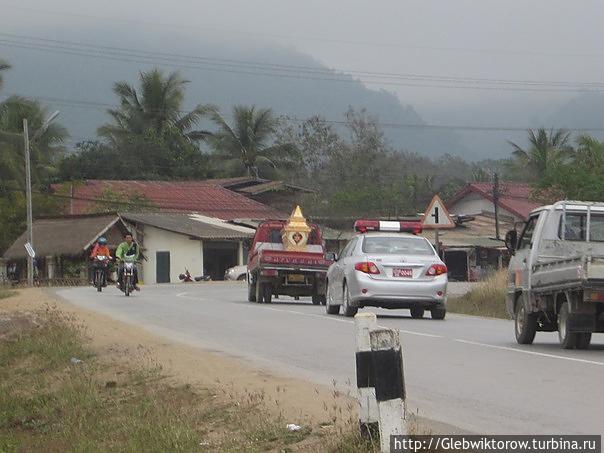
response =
{"points": [[520, 262]]}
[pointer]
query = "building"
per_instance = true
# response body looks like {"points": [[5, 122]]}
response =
{"points": [[176, 242], [477, 198], [62, 245]]}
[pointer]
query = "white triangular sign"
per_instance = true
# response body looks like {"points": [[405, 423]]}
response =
{"points": [[437, 216]]}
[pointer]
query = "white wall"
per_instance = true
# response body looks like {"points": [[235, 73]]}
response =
{"points": [[473, 204], [184, 254]]}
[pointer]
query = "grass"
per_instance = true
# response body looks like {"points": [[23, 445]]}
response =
{"points": [[48, 401], [4, 293], [487, 299]]}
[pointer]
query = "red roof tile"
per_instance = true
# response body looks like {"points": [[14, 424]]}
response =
{"points": [[204, 197], [514, 197]]}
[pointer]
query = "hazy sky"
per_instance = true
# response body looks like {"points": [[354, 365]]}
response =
{"points": [[544, 40]]}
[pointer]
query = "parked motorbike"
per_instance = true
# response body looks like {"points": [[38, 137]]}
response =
{"points": [[186, 277], [99, 279]]}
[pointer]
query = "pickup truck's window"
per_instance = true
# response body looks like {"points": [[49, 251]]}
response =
{"points": [[527, 235], [576, 227], [399, 245]]}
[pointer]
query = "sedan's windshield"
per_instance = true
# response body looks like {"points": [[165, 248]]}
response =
{"points": [[397, 245]]}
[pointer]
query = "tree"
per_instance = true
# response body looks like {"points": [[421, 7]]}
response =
{"points": [[157, 106], [546, 150], [249, 142], [3, 67]]}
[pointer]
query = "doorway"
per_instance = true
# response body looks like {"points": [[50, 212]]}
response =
{"points": [[162, 267], [218, 257]]}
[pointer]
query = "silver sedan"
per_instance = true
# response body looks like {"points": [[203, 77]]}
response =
{"points": [[388, 270]]}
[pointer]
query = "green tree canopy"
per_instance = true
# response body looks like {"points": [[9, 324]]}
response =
{"points": [[546, 150]]}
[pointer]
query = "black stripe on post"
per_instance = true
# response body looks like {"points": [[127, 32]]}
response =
{"points": [[388, 374], [365, 375]]}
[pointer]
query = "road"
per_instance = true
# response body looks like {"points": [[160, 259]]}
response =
{"points": [[465, 371]]}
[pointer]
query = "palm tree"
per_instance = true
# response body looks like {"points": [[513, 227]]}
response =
{"points": [[249, 141], [155, 107], [3, 67], [546, 150]]}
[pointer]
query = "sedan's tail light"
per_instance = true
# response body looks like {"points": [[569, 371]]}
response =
{"points": [[367, 267], [436, 269]]}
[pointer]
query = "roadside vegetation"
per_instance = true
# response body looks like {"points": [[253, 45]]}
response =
{"points": [[487, 299], [4, 293], [56, 394]]}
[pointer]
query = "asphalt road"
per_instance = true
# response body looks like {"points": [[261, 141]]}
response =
{"points": [[465, 371]]}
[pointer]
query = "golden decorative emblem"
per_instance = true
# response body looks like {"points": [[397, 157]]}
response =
{"points": [[295, 233]]}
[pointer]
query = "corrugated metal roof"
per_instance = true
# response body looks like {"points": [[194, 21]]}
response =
{"points": [[63, 236], [193, 225]]}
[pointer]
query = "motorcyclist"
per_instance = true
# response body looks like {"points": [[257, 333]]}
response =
{"points": [[100, 249], [128, 247]]}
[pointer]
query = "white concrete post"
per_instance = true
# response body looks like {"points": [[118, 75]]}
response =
{"points": [[368, 409], [50, 267], [240, 254], [387, 359]]}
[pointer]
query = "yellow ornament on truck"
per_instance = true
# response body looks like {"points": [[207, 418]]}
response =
{"points": [[295, 233]]}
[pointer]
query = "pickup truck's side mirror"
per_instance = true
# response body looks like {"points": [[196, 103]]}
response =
{"points": [[511, 241], [332, 256]]}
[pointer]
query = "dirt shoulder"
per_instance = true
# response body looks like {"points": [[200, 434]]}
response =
{"points": [[297, 401]]}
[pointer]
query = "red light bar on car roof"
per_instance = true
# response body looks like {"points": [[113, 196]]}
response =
{"points": [[363, 226]]}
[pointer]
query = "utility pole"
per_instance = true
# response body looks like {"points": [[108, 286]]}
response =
{"points": [[30, 232], [496, 202]]}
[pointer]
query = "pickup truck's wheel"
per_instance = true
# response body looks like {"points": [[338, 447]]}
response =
{"points": [[525, 324], [251, 292], [570, 340], [267, 290], [348, 310], [417, 312], [438, 313]]}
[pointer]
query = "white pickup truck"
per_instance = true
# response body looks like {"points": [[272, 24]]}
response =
{"points": [[556, 274]]}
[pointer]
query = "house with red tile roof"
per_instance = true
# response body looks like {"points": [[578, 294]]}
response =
{"points": [[209, 198], [515, 200]]}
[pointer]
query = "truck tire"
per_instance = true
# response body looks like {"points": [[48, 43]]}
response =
{"points": [[438, 313], [525, 324], [349, 311], [570, 340], [258, 289], [251, 292], [267, 293], [417, 312]]}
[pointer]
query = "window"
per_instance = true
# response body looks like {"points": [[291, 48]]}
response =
{"points": [[576, 227], [397, 245], [275, 236], [526, 239]]}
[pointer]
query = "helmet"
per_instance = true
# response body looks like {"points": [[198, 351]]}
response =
{"points": [[102, 241]]}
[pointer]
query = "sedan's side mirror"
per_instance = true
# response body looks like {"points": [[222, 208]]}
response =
{"points": [[511, 241], [332, 256]]}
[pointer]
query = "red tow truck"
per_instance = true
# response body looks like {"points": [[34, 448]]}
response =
{"points": [[273, 270]]}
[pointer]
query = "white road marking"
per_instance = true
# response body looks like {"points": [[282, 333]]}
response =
{"points": [[524, 351]]}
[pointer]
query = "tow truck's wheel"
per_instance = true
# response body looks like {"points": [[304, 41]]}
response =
{"points": [[348, 310], [258, 289], [267, 291], [318, 299], [417, 312], [251, 292], [570, 340], [525, 324]]}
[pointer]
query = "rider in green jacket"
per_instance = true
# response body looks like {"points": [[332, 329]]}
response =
{"points": [[130, 248]]}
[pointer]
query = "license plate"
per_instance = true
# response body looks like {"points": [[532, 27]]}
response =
{"points": [[295, 278], [402, 272]]}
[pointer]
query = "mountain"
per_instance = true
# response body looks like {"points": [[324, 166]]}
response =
{"points": [[80, 85]]}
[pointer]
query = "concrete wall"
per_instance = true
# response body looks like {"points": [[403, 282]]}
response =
{"points": [[473, 204], [185, 253]]}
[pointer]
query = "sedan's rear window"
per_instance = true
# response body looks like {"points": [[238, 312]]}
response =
{"points": [[397, 245]]}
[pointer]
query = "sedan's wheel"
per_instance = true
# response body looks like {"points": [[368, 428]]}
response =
{"points": [[568, 340], [241, 278], [438, 313], [417, 312], [329, 308], [525, 324], [348, 310]]}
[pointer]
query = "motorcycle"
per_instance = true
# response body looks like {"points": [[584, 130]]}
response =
{"points": [[101, 262], [127, 285], [186, 277]]}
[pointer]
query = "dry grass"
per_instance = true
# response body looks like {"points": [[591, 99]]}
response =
{"points": [[487, 299], [4, 293]]}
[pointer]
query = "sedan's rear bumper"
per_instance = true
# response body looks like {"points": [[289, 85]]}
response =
{"points": [[368, 292]]}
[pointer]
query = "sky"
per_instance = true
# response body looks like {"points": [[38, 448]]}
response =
{"points": [[508, 40]]}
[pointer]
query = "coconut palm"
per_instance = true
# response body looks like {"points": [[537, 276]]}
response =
{"points": [[546, 150], [249, 141], [155, 107]]}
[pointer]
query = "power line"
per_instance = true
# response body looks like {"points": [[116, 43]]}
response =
{"points": [[531, 52], [102, 106], [414, 80]]}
